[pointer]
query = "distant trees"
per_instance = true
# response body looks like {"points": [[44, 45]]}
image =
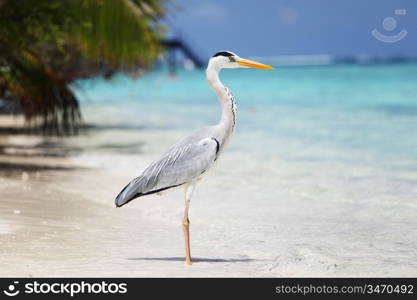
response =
{"points": [[47, 44]]}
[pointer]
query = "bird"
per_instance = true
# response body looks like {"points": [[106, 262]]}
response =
{"points": [[187, 161]]}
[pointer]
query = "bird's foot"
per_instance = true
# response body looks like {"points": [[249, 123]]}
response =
{"points": [[188, 262]]}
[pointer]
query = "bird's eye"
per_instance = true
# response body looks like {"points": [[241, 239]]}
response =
{"points": [[232, 59]]}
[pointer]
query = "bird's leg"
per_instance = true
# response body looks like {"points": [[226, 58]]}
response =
{"points": [[186, 231], [186, 222]]}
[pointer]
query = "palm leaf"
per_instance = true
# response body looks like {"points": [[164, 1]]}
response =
{"points": [[38, 92], [47, 44]]}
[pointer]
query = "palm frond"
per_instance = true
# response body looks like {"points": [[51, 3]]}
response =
{"points": [[118, 31], [47, 44], [37, 91]]}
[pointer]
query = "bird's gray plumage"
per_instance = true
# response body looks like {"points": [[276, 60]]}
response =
{"points": [[183, 162]]}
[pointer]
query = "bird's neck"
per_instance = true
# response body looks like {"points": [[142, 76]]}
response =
{"points": [[226, 100]]}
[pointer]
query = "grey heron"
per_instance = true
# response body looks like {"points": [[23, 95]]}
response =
{"points": [[187, 160]]}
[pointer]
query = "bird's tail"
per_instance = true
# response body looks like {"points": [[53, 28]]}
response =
{"points": [[130, 192]]}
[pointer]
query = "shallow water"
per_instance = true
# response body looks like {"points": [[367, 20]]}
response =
{"points": [[347, 107]]}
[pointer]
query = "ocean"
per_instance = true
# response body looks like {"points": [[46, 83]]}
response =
{"points": [[320, 177], [371, 109]]}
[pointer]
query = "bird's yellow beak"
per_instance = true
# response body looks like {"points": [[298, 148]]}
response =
{"points": [[252, 64]]}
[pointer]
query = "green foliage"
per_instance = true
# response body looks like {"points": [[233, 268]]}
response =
{"points": [[47, 44]]}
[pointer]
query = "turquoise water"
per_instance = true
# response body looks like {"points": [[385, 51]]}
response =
{"points": [[372, 108]]}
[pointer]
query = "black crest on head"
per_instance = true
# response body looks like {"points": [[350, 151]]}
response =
{"points": [[223, 53]]}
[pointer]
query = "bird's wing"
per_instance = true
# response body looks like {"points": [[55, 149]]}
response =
{"points": [[182, 163]]}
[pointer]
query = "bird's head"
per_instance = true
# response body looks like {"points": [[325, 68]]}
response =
{"points": [[230, 60]]}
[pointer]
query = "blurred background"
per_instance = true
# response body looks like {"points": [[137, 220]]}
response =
{"points": [[324, 157]]}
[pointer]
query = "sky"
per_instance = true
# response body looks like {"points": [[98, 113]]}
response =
{"points": [[295, 27]]}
